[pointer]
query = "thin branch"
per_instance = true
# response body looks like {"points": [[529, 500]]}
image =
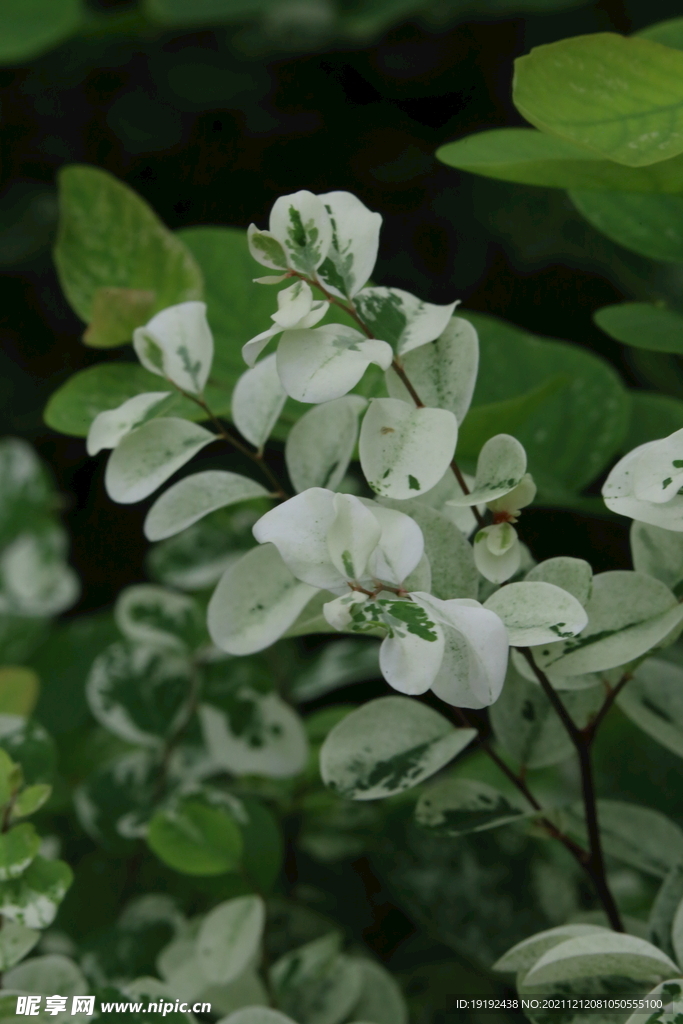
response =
{"points": [[614, 692], [582, 740]]}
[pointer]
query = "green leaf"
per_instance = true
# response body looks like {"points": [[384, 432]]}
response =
{"points": [[30, 745], [653, 416], [381, 1000], [16, 941], [621, 97], [255, 602], [338, 664], [653, 700], [668, 33], [31, 800], [450, 556], [147, 614], [534, 158], [317, 982], [320, 445], [33, 899], [229, 938], [649, 225], [628, 614], [110, 238], [506, 416], [572, 436], [202, 12], [664, 909], [29, 27], [18, 847], [195, 839], [19, 689], [601, 953], [386, 746], [116, 312], [639, 836], [140, 692], [263, 844], [643, 325], [255, 734], [116, 801], [454, 806]]}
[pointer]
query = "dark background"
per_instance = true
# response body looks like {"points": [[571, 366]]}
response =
{"points": [[210, 125]]}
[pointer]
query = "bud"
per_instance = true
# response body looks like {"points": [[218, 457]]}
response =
{"points": [[507, 508], [497, 552]]}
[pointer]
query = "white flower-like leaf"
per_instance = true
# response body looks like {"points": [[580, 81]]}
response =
{"points": [[257, 401], [405, 451], [500, 468], [300, 529], [644, 485], [409, 663], [108, 427], [443, 373], [196, 496], [402, 319], [255, 346], [325, 363], [352, 537], [355, 241], [497, 552], [293, 304], [302, 226], [266, 249], [516, 499], [320, 444], [146, 457], [537, 613], [257, 599], [177, 344]]}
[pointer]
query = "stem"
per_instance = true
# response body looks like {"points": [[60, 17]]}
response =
{"points": [[226, 435], [400, 373], [612, 695], [582, 739], [176, 736], [577, 851]]}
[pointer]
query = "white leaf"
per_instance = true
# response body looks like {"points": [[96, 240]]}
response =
{"points": [[36, 581], [177, 344], [108, 427], [629, 613], [438, 498], [149, 455], [443, 373], [149, 614], [257, 401], [293, 304], [454, 806], [194, 497], [658, 553], [618, 492], [475, 654], [409, 663], [46, 975], [516, 499], [316, 981], [255, 602], [16, 941], [599, 954], [537, 613], [405, 451], [497, 552], [400, 547], [266, 249], [302, 226], [523, 955], [677, 932], [298, 528], [355, 241], [402, 319], [255, 346], [326, 362], [659, 477], [352, 537], [229, 938], [641, 837], [500, 467], [381, 1000], [271, 741], [571, 574], [386, 746], [320, 444]]}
